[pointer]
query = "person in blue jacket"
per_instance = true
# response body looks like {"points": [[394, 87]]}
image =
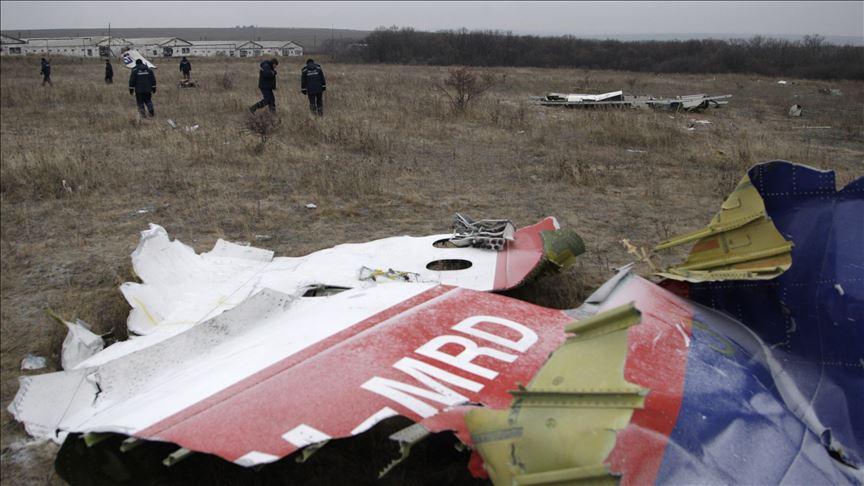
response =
{"points": [[109, 72], [185, 68], [46, 72], [266, 84], [313, 85], [142, 83]]}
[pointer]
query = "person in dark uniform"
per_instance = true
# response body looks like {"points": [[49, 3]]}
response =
{"points": [[313, 85], [109, 72], [142, 83], [46, 72], [266, 84], [185, 68]]}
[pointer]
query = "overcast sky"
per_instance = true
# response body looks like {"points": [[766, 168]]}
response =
{"points": [[586, 18]]}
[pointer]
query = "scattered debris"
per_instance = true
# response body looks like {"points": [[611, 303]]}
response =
{"points": [[187, 128], [188, 83], [311, 206], [491, 234], [816, 128], [781, 82], [263, 237], [796, 110], [80, 343], [636, 151], [33, 362], [581, 98], [694, 102], [693, 124], [375, 274], [642, 384]]}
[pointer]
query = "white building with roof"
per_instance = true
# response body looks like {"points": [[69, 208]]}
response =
{"points": [[150, 47], [161, 46], [211, 48], [269, 48], [11, 45]]}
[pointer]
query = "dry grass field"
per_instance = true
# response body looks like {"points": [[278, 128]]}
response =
{"points": [[388, 158]]}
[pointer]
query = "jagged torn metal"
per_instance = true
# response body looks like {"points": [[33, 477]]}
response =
{"points": [[740, 243], [231, 348], [766, 389]]}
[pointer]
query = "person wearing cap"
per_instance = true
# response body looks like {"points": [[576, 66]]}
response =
{"points": [[142, 83], [185, 68], [266, 84], [46, 72], [109, 72], [313, 85]]}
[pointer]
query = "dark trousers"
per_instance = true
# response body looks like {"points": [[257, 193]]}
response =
{"points": [[109, 80], [269, 100], [316, 102], [144, 99], [185, 74], [46, 78]]}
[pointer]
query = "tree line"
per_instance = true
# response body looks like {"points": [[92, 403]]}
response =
{"points": [[810, 57]]}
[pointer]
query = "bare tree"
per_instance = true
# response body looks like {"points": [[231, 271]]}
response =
{"points": [[462, 87]]}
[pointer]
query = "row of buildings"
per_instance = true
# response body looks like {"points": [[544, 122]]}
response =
{"points": [[149, 47]]}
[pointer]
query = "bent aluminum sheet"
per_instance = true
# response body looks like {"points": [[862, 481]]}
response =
{"points": [[275, 373], [208, 322], [721, 407], [811, 316], [181, 287]]}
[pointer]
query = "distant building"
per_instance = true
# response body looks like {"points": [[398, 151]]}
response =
{"points": [[151, 47], [11, 45], [214, 48], [63, 46], [269, 48], [162, 46]]}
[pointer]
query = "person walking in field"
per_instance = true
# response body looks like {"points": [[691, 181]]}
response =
{"points": [[313, 85], [266, 84], [46, 72], [185, 68], [142, 83], [109, 72]]}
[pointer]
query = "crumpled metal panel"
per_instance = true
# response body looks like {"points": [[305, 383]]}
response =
{"points": [[561, 427], [811, 316], [765, 388], [740, 243]]}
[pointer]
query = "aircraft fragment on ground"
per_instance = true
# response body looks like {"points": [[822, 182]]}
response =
{"points": [[197, 317], [694, 102], [740, 376], [129, 57]]}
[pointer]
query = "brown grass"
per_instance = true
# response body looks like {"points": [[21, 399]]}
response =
{"points": [[387, 158]]}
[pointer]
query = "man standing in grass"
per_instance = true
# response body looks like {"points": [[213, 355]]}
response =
{"points": [[266, 84], [313, 85], [46, 72], [185, 68], [109, 72], [142, 83]]}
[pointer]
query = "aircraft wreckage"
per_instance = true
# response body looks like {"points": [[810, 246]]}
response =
{"points": [[745, 365], [694, 102]]}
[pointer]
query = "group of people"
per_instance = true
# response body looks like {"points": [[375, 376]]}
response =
{"points": [[312, 84], [142, 83]]}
